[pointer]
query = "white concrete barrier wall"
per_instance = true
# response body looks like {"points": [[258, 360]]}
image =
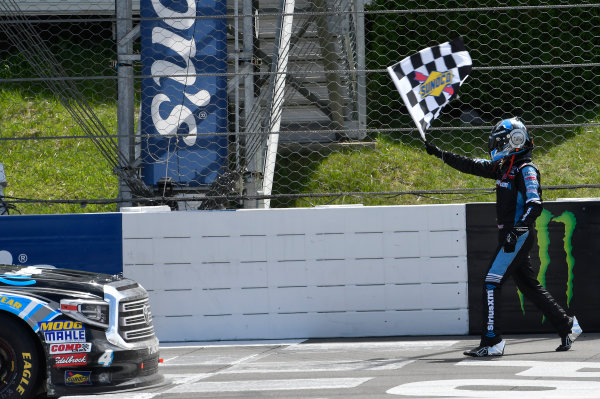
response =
{"points": [[301, 272]]}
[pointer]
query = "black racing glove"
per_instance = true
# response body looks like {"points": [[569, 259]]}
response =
{"points": [[513, 235], [433, 150]]}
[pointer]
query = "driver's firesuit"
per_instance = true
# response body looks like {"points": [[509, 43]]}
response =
{"points": [[518, 204]]}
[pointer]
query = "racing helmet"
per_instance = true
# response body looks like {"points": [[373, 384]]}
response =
{"points": [[509, 137]]}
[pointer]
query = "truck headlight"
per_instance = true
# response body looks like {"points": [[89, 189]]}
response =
{"points": [[95, 313]]}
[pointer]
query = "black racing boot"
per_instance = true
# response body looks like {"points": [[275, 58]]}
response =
{"points": [[483, 351], [567, 340]]}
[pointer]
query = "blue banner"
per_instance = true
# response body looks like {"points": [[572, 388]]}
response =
{"points": [[184, 90], [89, 242]]}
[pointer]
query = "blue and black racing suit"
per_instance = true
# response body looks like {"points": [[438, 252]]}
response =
{"points": [[518, 204]]}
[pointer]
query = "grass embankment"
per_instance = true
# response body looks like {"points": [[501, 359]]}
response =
{"points": [[50, 168], [73, 169], [393, 166]]}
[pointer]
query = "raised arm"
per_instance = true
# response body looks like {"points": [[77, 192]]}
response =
{"points": [[477, 167]]}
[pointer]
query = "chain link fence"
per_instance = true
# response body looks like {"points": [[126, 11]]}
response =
{"points": [[280, 103]]}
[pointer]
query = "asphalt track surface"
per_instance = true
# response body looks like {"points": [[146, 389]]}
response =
{"points": [[398, 367]]}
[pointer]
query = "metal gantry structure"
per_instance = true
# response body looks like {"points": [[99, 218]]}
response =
{"points": [[270, 91]]}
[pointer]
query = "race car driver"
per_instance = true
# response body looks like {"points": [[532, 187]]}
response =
{"points": [[518, 204]]}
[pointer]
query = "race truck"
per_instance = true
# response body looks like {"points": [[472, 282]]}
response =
{"points": [[67, 332]]}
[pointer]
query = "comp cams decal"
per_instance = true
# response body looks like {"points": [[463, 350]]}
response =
{"points": [[71, 347]]}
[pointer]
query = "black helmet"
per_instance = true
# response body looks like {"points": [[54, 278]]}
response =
{"points": [[509, 137]]}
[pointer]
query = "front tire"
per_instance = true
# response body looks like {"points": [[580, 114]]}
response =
{"points": [[19, 361]]}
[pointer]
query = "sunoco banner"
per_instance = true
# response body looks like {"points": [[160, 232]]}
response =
{"points": [[566, 252], [184, 57]]}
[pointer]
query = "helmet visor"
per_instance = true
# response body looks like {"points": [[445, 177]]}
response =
{"points": [[499, 147], [504, 144]]}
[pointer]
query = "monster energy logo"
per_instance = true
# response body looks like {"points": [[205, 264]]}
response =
{"points": [[543, 236]]}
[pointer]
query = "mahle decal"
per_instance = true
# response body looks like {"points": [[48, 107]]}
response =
{"points": [[543, 236]]}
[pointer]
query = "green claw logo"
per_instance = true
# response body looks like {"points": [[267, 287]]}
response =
{"points": [[568, 219]]}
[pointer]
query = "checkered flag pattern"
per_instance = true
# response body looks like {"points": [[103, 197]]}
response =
{"points": [[428, 80]]}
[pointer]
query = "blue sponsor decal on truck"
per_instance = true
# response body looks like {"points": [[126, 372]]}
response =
{"points": [[16, 280], [63, 331]]}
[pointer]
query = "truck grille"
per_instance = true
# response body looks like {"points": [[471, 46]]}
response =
{"points": [[135, 320]]}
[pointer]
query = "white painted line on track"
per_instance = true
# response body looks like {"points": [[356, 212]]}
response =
{"points": [[200, 360], [317, 366], [253, 357], [203, 359], [178, 379], [212, 344], [500, 389], [122, 395], [544, 369], [175, 379], [370, 346], [269, 385], [247, 364]]}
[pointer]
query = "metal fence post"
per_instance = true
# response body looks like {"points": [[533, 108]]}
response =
{"points": [[125, 107], [3, 209], [280, 63]]}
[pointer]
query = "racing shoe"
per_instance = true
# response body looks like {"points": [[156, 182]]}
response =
{"points": [[483, 351], [567, 340]]}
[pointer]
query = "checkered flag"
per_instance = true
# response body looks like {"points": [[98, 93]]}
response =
{"points": [[428, 80]]}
